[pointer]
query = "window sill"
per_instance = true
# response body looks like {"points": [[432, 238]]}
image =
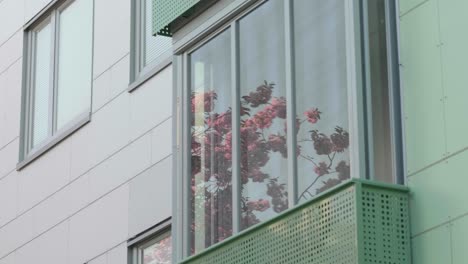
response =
{"points": [[157, 68], [51, 142]]}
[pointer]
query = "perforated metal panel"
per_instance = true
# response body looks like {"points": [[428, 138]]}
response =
{"points": [[357, 222], [385, 226], [166, 11]]}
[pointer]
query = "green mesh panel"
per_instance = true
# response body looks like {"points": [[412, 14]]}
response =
{"points": [[385, 226], [356, 223], [166, 11]]}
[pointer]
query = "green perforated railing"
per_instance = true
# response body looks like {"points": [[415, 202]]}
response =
{"points": [[166, 11], [358, 222]]}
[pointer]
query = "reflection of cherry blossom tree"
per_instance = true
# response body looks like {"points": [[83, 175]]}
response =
{"points": [[159, 253], [212, 156]]}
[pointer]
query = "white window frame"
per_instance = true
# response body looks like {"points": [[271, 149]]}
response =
{"points": [[27, 152], [226, 18], [139, 73], [137, 244]]}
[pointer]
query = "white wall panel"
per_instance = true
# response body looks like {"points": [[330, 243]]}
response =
{"points": [[150, 197], [121, 167], [151, 103], [8, 197], [51, 248], [44, 176], [111, 33], [105, 134], [11, 18], [11, 50], [99, 227], [8, 158]]}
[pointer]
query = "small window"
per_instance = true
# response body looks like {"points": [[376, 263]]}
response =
{"points": [[58, 70], [152, 247], [149, 53]]}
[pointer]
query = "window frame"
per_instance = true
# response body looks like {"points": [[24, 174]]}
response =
{"points": [[357, 109], [139, 73], [137, 244], [28, 153]]}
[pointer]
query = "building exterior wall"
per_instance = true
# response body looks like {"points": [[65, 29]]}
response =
{"points": [[434, 62], [83, 199], [110, 180]]}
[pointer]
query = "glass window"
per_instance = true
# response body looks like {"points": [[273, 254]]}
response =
{"points": [[211, 198], [149, 50], [74, 61], [59, 77], [263, 114], [153, 248], [281, 63], [321, 86], [41, 84]]}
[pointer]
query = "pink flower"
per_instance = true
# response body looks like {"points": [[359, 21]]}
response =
{"points": [[259, 205], [220, 122], [277, 143], [312, 115], [257, 175], [279, 106], [321, 169], [264, 119], [261, 96], [203, 101]]}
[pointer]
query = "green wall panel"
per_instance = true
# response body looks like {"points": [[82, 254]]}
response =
{"points": [[453, 26], [422, 84], [439, 193], [406, 5], [460, 240], [432, 247]]}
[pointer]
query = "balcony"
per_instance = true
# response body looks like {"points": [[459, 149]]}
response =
{"points": [[356, 222]]}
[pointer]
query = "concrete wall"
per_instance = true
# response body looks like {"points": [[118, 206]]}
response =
{"points": [[434, 67], [104, 184]]}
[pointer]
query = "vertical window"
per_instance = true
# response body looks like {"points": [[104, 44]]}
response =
{"points": [[58, 82], [73, 69], [282, 105], [321, 88], [148, 51], [264, 164], [153, 247], [211, 198]]}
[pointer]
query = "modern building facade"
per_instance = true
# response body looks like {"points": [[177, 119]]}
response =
{"points": [[160, 131]]}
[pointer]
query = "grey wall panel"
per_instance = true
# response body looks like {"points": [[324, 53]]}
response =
{"points": [[150, 197], [111, 33]]}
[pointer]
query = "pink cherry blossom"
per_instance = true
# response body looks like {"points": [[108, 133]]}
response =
{"points": [[312, 115]]}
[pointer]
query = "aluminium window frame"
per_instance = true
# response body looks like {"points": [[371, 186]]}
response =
{"points": [[139, 73], [27, 153], [357, 72], [137, 244]]}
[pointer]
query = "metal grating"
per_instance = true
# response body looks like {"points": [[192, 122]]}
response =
{"points": [[166, 11], [385, 226], [323, 232], [356, 222]]}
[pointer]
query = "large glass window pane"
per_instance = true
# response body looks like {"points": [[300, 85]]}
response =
{"points": [[158, 251], [321, 95], [263, 113], [41, 85], [211, 197], [74, 61], [154, 46]]}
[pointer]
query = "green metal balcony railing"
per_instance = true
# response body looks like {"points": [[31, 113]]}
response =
{"points": [[358, 222], [168, 15]]}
